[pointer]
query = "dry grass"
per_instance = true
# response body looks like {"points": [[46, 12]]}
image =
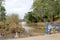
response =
{"points": [[57, 21]]}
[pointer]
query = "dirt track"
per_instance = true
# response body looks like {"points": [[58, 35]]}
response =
{"points": [[46, 37]]}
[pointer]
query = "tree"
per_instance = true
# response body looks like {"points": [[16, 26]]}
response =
{"points": [[2, 11], [29, 17], [13, 23], [13, 18], [44, 10], [49, 8], [2, 18]]}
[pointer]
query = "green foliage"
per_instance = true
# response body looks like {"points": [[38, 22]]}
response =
{"points": [[45, 10], [30, 17], [2, 13]]}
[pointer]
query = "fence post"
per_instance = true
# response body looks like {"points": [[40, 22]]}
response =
{"points": [[46, 27]]}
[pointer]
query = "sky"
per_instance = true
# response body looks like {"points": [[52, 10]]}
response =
{"points": [[19, 7]]}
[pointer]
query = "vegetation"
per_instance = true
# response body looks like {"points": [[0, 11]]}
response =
{"points": [[44, 11], [12, 23], [2, 12], [30, 17], [9, 24]]}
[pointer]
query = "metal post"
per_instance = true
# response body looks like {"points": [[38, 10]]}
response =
{"points": [[46, 27]]}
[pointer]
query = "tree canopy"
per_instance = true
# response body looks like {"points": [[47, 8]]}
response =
{"points": [[45, 10]]}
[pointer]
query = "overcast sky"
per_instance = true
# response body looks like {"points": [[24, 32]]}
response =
{"points": [[18, 6]]}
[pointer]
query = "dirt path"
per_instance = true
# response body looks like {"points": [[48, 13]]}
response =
{"points": [[46, 37]]}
